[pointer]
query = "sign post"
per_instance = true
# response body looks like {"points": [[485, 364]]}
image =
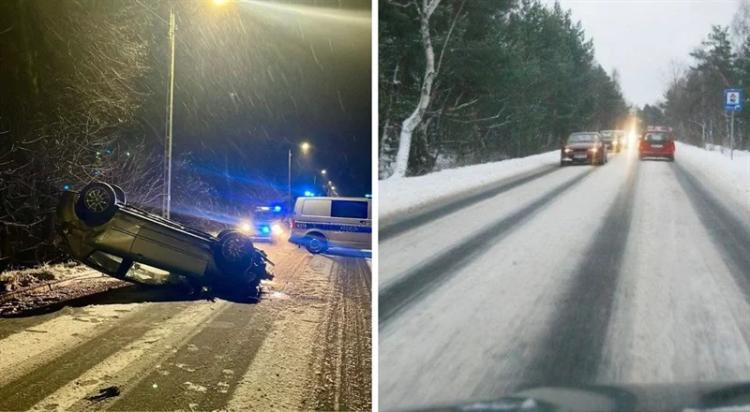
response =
{"points": [[732, 103]]}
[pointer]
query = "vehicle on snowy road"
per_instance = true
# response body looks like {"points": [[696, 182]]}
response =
{"points": [[657, 142], [266, 224], [100, 229], [320, 222], [583, 147]]}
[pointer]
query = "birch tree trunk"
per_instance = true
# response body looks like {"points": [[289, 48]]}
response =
{"points": [[411, 122]]}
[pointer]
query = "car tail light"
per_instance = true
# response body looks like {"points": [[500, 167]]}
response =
{"points": [[292, 223]]}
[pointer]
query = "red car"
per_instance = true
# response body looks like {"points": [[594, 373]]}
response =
{"points": [[657, 142]]}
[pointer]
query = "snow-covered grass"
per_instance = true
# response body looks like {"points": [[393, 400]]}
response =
{"points": [[728, 177], [13, 279], [406, 195]]}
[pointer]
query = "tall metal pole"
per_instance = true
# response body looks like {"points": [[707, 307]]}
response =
{"points": [[167, 195], [731, 137], [289, 183]]}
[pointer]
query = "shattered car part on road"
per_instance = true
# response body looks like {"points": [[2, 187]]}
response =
{"points": [[101, 230]]}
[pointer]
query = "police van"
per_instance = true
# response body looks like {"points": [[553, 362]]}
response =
{"points": [[320, 222]]}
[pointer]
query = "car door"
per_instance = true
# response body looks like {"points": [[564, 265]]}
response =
{"points": [[352, 219], [170, 249]]}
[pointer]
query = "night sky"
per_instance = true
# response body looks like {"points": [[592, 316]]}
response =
{"points": [[255, 78]]}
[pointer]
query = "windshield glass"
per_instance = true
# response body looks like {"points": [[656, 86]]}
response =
{"points": [[582, 138], [620, 256], [656, 137]]}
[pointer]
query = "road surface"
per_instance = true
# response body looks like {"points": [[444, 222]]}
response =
{"points": [[305, 345], [634, 272]]}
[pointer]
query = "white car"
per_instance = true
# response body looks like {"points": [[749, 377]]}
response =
{"points": [[320, 222]]}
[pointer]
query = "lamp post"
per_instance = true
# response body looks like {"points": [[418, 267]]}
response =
{"points": [[167, 187], [305, 147]]}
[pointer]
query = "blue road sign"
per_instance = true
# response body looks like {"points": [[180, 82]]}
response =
{"points": [[733, 100]]}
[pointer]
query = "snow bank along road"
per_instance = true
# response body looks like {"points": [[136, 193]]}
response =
{"points": [[634, 272], [305, 345]]}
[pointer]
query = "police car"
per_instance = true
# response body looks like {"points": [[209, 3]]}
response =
{"points": [[321, 222], [266, 224]]}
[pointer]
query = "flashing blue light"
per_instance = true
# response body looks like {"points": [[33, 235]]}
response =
{"points": [[66, 187], [277, 208], [265, 229], [308, 193]]}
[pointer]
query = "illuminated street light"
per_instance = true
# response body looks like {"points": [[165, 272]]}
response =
{"points": [[166, 204], [304, 147], [323, 172]]}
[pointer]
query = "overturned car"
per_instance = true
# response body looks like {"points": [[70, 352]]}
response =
{"points": [[100, 229]]}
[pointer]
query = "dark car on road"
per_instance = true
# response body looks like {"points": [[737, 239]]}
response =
{"points": [[657, 142], [583, 147], [99, 228]]}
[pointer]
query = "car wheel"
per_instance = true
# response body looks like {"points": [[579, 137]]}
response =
{"points": [[316, 244], [235, 252], [671, 158], [96, 204], [562, 164]]}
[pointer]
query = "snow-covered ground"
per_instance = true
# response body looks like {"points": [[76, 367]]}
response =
{"points": [[728, 177], [402, 196], [626, 275]]}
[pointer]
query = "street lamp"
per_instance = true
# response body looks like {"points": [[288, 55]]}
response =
{"points": [[305, 147], [167, 187], [323, 172]]}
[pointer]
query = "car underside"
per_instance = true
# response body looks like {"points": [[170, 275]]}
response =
{"points": [[98, 228]]}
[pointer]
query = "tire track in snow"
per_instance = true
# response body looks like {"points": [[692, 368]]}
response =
{"points": [[574, 344], [728, 232], [419, 281], [24, 392], [41, 342], [135, 358], [397, 226], [198, 377]]}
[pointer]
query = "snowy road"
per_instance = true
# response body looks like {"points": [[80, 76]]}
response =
{"points": [[635, 272], [305, 345]]}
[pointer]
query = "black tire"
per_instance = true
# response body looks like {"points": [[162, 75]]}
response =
{"points": [[316, 244], [671, 158], [562, 164], [223, 232], [96, 204], [234, 252], [119, 194]]}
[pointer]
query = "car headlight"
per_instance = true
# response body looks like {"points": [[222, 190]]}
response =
{"points": [[568, 150], [276, 228], [594, 150], [245, 227]]}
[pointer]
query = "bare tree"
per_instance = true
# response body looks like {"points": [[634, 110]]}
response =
{"points": [[424, 11]]}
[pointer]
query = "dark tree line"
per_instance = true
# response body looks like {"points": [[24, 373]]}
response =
{"points": [[505, 79]]}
